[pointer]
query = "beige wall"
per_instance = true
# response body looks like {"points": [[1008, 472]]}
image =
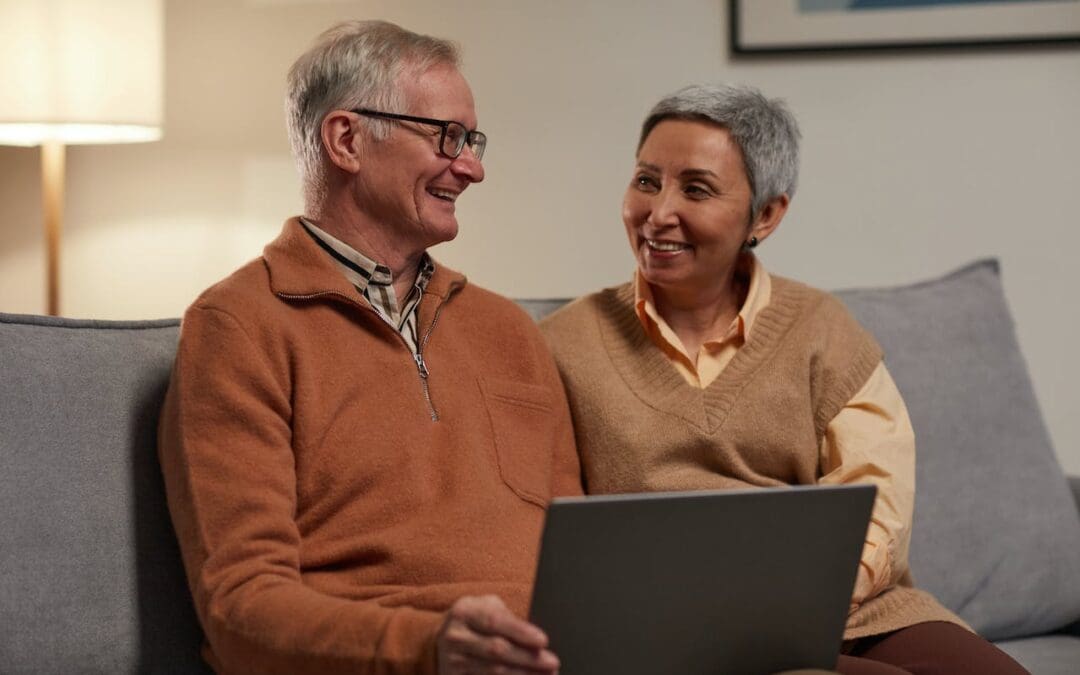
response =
{"points": [[913, 163]]}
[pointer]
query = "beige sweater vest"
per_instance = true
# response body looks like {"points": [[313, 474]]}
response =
{"points": [[641, 427]]}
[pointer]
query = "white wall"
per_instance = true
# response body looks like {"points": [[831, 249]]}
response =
{"points": [[914, 163]]}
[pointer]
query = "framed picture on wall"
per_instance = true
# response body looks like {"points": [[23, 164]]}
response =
{"points": [[761, 26]]}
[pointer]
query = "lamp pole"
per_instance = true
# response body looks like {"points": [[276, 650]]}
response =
{"points": [[52, 194]]}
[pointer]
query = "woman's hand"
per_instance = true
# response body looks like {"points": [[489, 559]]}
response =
{"points": [[480, 635]]}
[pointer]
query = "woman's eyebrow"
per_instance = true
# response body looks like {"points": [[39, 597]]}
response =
{"points": [[693, 173], [698, 172]]}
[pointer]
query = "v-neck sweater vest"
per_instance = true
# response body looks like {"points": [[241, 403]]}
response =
{"points": [[641, 427]]}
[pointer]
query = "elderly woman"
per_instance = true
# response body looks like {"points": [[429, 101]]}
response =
{"points": [[707, 372]]}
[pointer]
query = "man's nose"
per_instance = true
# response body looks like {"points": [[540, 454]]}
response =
{"points": [[468, 166]]}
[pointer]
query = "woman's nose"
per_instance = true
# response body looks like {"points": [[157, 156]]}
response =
{"points": [[664, 209]]}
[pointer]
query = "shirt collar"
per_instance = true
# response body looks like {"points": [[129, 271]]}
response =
{"points": [[359, 269], [299, 267], [759, 291]]}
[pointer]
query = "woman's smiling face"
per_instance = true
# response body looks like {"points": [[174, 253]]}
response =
{"points": [[687, 209]]}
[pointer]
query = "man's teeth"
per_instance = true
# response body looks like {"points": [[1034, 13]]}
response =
{"points": [[665, 245], [443, 194]]}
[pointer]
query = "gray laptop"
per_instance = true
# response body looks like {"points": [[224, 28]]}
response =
{"points": [[734, 581]]}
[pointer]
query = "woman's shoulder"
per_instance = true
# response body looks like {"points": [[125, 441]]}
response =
{"points": [[571, 322], [808, 299], [820, 312], [787, 287], [842, 350], [589, 305]]}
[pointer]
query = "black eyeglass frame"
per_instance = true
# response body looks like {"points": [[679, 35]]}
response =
{"points": [[476, 140]]}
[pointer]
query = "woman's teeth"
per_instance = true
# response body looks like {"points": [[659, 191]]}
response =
{"points": [[668, 246]]}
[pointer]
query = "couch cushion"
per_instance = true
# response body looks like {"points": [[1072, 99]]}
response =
{"points": [[996, 533], [92, 580], [1048, 655]]}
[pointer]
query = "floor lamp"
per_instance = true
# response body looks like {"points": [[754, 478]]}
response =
{"points": [[77, 72]]}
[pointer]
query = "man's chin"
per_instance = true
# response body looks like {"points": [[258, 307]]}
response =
{"points": [[442, 231]]}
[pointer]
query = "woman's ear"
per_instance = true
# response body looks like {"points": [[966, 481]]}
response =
{"points": [[769, 217], [341, 136]]}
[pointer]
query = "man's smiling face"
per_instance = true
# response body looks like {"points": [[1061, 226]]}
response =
{"points": [[405, 183]]}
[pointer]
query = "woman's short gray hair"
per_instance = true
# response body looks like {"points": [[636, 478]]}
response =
{"points": [[353, 64], [764, 129]]}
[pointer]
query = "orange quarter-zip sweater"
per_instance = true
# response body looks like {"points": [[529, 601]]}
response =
{"points": [[332, 494]]}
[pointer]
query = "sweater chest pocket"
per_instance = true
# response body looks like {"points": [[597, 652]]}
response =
{"points": [[523, 428]]}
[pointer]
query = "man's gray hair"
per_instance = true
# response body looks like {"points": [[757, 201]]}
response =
{"points": [[764, 129], [355, 64]]}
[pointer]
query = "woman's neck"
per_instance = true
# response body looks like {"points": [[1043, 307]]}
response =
{"points": [[698, 316]]}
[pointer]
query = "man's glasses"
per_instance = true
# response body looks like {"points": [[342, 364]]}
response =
{"points": [[452, 140]]}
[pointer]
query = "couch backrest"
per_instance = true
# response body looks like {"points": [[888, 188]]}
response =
{"points": [[996, 533], [90, 573]]}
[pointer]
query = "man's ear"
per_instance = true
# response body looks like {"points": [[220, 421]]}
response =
{"points": [[769, 217], [341, 137]]}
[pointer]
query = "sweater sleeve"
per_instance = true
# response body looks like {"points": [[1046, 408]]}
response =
{"points": [[871, 441], [225, 448]]}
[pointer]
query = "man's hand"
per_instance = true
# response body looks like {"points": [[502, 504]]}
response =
{"points": [[480, 635]]}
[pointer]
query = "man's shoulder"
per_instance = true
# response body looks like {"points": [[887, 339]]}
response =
{"points": [[484, 305], [244, 291]]}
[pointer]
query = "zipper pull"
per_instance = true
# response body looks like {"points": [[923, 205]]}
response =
{"points": [[421, 366]]}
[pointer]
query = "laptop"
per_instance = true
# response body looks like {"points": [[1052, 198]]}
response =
{"points": [[729, 581]]}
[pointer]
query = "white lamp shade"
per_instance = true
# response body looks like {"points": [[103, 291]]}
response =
{"points": [[81, 71]]}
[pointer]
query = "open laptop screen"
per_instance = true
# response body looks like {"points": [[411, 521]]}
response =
{"points": [[733, 581]]}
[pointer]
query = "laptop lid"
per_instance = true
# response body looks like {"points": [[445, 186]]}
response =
{"points": [[732, 581]]}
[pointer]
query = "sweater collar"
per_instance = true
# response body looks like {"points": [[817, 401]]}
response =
{"points": [[299, 268], [759, 291], [649, 373]]}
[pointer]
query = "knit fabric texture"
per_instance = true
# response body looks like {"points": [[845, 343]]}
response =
{"points": [[330, 501], [641, 427]]}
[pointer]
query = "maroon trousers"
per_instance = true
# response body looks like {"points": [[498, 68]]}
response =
{"points": [[930, 648]]}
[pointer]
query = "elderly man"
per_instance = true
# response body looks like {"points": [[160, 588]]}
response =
{"points": [[358, 445]]}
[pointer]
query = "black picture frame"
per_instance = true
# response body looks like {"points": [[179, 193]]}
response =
{"points": [[779, 27]]}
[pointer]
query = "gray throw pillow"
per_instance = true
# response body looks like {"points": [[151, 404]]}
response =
{"points": [[996, 534]]}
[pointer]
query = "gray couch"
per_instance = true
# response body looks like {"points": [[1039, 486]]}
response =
{"points": [[90, 578]]}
